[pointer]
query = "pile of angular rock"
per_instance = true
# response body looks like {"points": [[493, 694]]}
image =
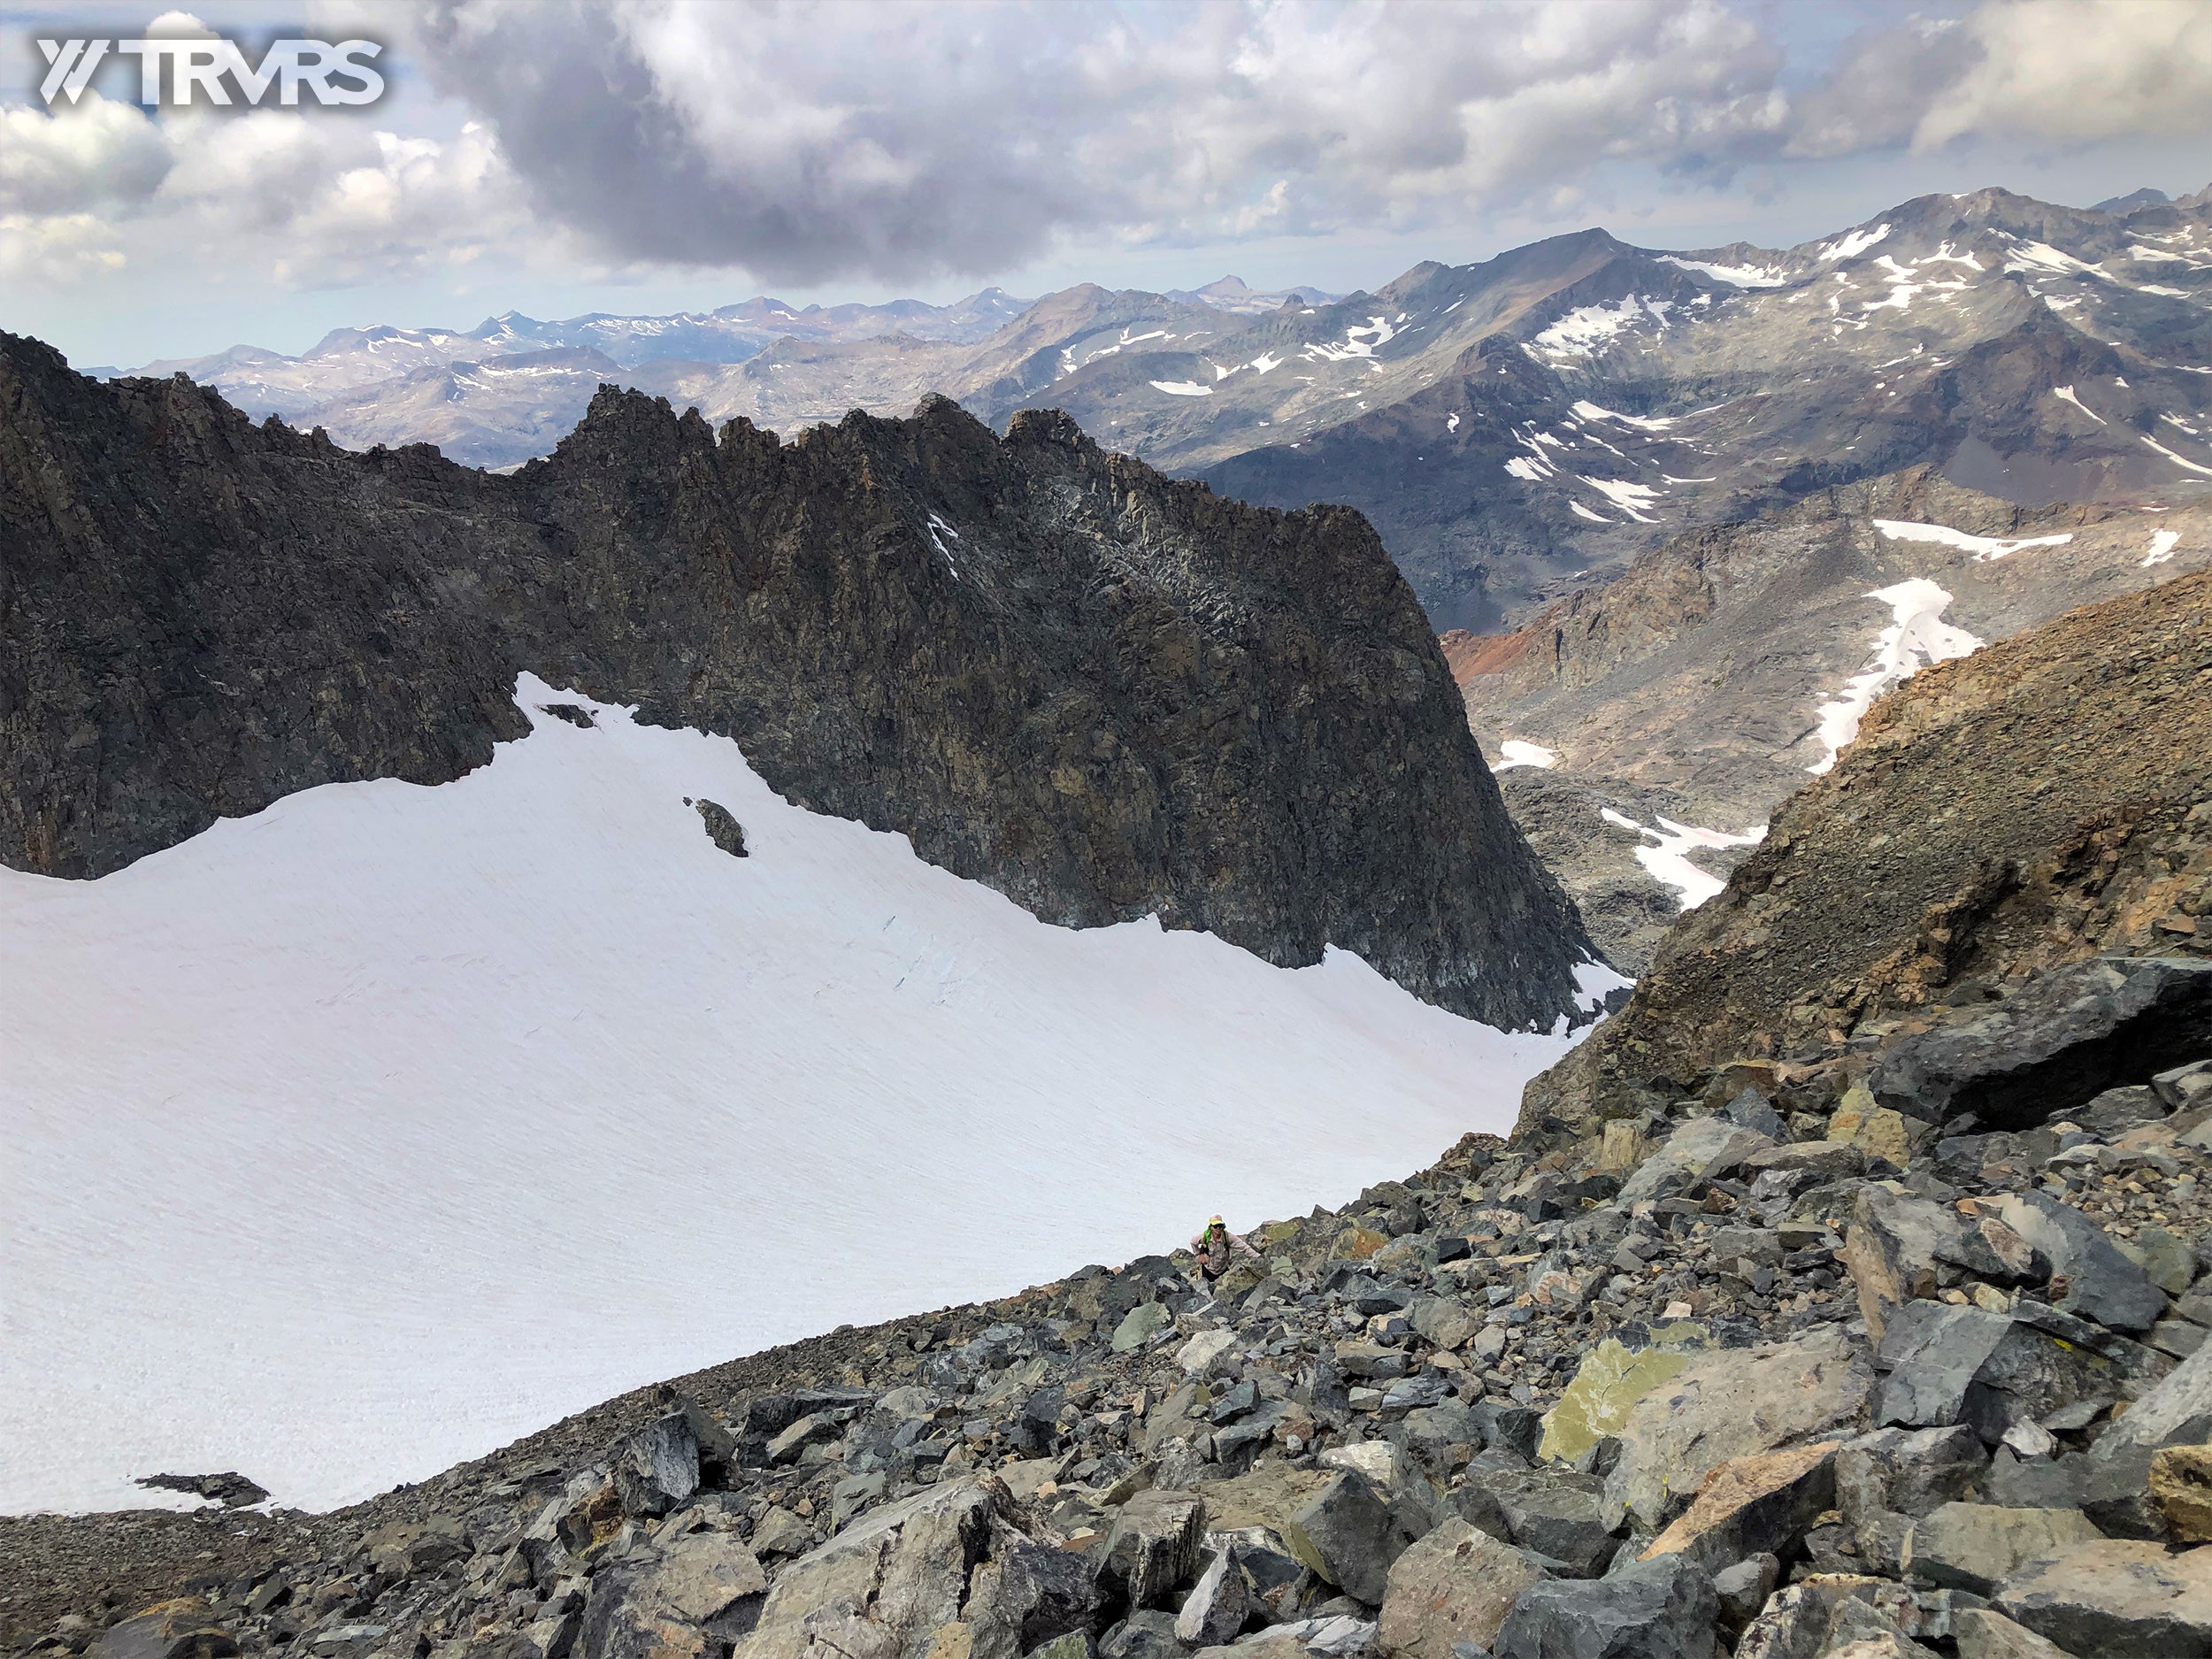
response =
{"points": [[1894, 1352]]}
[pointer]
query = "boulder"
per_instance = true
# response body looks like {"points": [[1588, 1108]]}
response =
{"points": [[2056, 1043], [1028, 1594], [884, 1587], [1730, 1403], [2116, 1599], [1331, 1635], [1907, 1472], [2181, 1485], [780, 1532], [1611, 1379], [1455, 1585], [1974, 1546], [2099, 1282], [657, 1467], [1743, 1588], [1933, 1352], [1202, 1354], [1348, 1534], [2175, 1409], [1751, 1110], [1214, 1613], [701, 1594], [2046, 1361], [1140, 1325], [1152, 1550], [1798, 1622], [1697, 1150], [2184, 1086], [1553, 1512], [1822, 1160], [1752, 1505], [803, 1433], [1443, 1321], [1147, 1633], [1655, 1609], [1983, 1633], [184, 1628], [1875, 1130]]}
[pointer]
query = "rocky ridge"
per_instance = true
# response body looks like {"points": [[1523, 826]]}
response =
{"points": [[1895, 1346], [1512, 427], [1105, 694]]}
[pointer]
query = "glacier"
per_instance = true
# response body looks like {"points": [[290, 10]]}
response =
{"points": [[360, 1136]]}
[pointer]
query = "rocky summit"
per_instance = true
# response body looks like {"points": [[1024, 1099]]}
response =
{"points": [[1880, 1335], [1106, 694]]}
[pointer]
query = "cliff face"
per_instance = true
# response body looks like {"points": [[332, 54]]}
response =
{"points": [[2047, 799], [1101, 692]]}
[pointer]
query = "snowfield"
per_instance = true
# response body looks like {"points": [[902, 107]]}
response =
{"points": [[363, 1135]]}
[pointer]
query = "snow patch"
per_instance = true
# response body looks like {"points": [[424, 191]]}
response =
{"points": [[2163, 545], [1594, 981], [2065, 393], [937, 531], [1917, 639], [1742, 276], [1668, 861], [1581, 511], [1587, 329], [2178, 460], [1521, 466], [1629, 498], [1183, 388], [1652, 423], [1451, 421], [1985, 549], [360, 1136], [1515, 752], [1264, 364], [1852, 246]]}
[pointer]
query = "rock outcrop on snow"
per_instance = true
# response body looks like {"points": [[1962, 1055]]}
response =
{"points": [[1103, 693]]}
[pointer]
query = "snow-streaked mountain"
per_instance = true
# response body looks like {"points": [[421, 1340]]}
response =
{"points": [[1513, 427], [1728, 667], [360, 1135]]}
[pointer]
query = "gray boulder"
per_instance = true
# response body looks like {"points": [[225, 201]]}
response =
{"points": [[1975, 1546], [2116, 1599], [1984, 1633], [1731, 1403], [1555, 1513], [695, 1598], [2059, 1042], [1664, 1608], [655, 1469], [1348, 1534], [185, 1628], [1933, 1352], [1698, 1151], [2099, 1283], [884, 1587], [1907, 1472], [1153, 1549], [1809, 1618], [1215, 1611]]}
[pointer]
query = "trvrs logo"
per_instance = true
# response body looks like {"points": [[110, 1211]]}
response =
{"points": [[335, 75]]}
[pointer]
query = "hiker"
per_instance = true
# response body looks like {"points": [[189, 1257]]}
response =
{"points": [[1215, 1247]]}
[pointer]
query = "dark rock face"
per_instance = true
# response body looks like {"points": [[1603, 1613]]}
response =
{"points": [[1105, 694]]}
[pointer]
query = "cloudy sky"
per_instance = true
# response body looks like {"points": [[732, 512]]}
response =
{"points": [[563, 156]]}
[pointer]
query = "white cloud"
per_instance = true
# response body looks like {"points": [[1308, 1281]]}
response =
{"points": [[903, 141], [97, 154], [2062, 73]]}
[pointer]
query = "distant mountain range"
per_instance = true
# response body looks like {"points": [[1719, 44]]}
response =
{"points": [[1515, 428]]}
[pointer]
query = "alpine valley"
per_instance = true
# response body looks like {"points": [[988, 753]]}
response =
{"points": [[599, 915]]}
